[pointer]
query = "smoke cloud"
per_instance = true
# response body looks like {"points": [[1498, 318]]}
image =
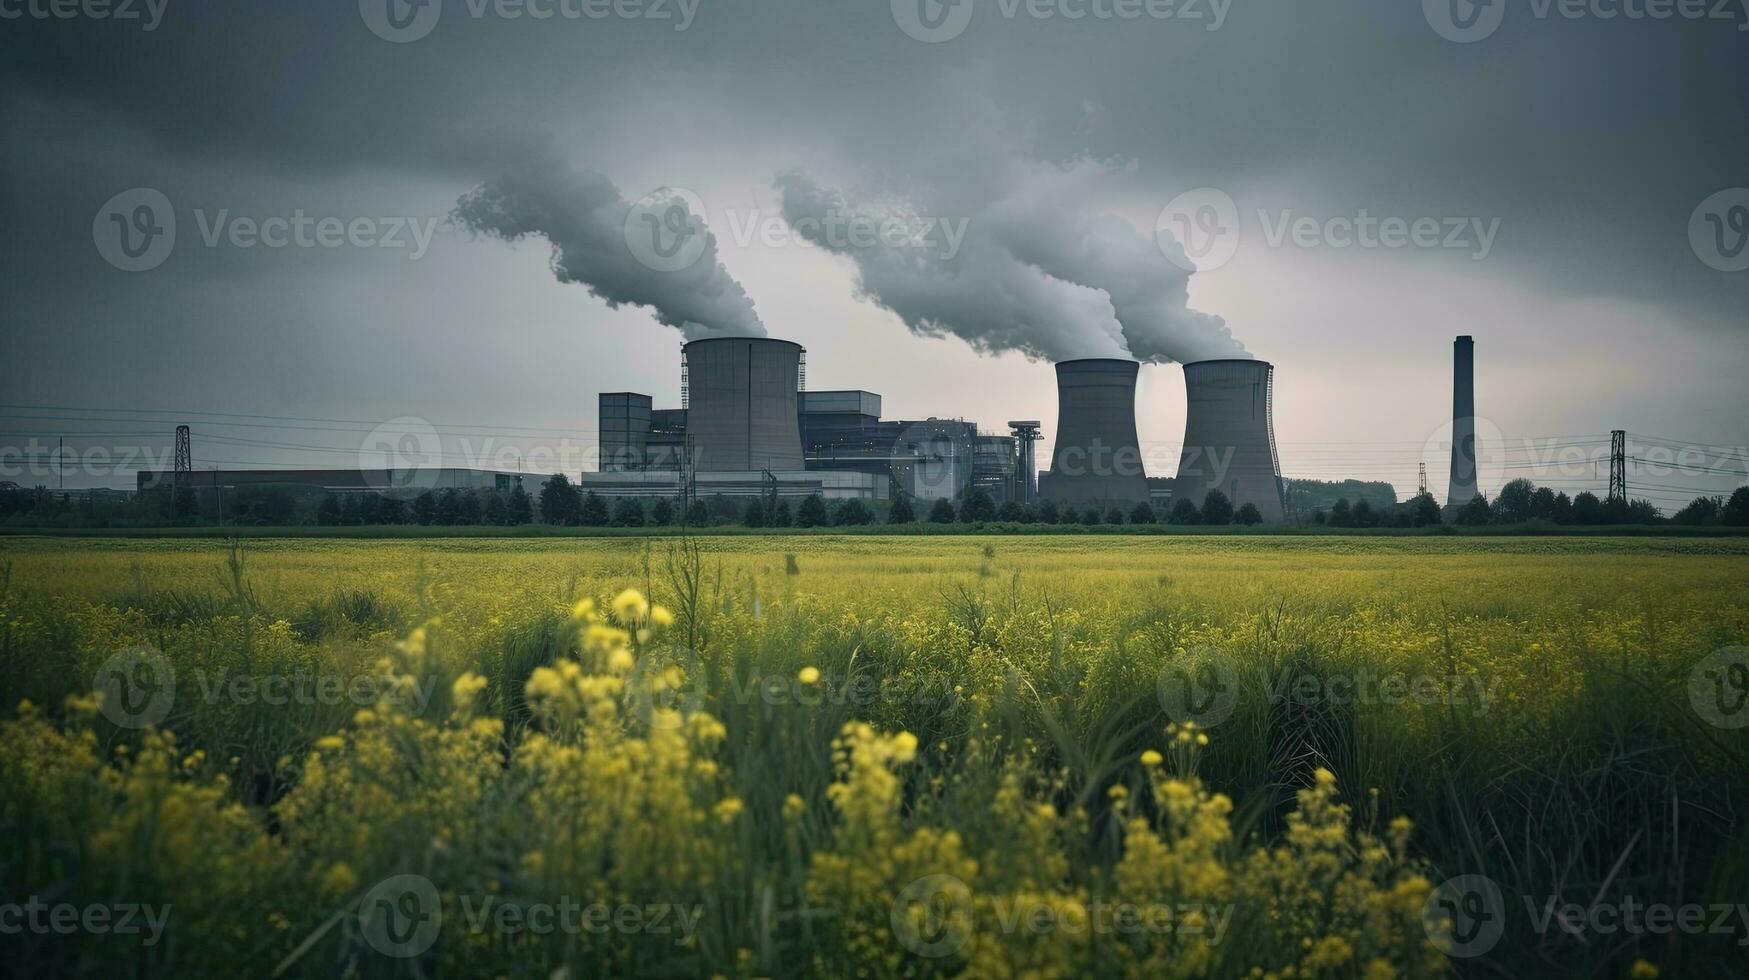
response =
{"points": [[1038, 272], [655, 253]]}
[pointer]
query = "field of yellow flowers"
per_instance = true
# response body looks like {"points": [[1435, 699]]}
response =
{"points": [[875, 757]]}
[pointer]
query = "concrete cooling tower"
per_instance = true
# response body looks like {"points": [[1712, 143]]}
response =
{"points": [[1229, 436], [741, 401], [1097, 457]]}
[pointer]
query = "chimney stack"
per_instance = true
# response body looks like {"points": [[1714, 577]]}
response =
{"points": [[1463, 423]]}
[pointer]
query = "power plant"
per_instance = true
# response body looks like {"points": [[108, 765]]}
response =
{"points": [[1097, 457], [747, 426], [1229, 435]]}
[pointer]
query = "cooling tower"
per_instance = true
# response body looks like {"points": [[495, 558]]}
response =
{"points": [[1463, 423], [741, 401], [1229, 435], [1097, 456]]}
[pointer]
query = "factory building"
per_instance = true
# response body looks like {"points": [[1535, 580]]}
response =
{"points": [[400, 483], [1229, 435]]}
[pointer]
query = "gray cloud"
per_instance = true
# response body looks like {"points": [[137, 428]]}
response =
{"points": [[654, 253]]}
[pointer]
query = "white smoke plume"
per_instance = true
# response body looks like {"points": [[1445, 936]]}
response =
{"points": [[1038, 272], [582, 215]]}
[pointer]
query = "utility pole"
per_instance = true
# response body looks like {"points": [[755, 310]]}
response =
{"points": [[1618, 465], [61, 459]]}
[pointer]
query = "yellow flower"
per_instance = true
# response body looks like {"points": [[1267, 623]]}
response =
{"points": [[330, 743], [1151, 758], [904, 747], [727, 809], [809, 675], [630, 606], [661, 616], [583, 609], [794, 806], [1642, 970], [340, 879]]}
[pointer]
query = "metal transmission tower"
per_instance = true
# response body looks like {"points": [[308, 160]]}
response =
{"points": [[1025, 434], [1618, 465], [1423, 485], [183, 476]]}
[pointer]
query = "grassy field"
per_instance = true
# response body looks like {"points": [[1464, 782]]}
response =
{"points": [[877, 756]]}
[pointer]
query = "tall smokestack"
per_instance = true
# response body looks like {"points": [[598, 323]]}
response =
{"points": [[1463, 423], [1097, 456], [1229, 436]]}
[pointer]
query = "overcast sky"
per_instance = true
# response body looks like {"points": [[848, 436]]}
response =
{"points": [[1585, 173]]}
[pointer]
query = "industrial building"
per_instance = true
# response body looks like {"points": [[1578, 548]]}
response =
{"points": [[1229, 435], [404, 483], [1097, 457], [748, 427]]}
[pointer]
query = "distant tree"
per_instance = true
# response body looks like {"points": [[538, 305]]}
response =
{"points": [[1513, 503], [1184, 512], [941, 512], [1047, 512], [496, 511], [1363, 515], [1561, 509], [1248, 514], [1423, 510], [1142, 514], [425, 508], [183, 505], [1115, 515], [1542, 504], [1216, 508], [1736, 509], [853, 513], [699, 514], [1090, 517], [662, 512], [1011, 511], [559, 503], [328, 511], [448, 507], [521, 507], [777, 512], [1319, 517], [392, 510], [593, 510], [1642, 512], [1476, 511], [628, 512], [1027, 514], [1587, 509], [467, 507], [977, 506], [1341, 515], [1700, 510], [811, 512], [753, 515], [901, 512]]}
